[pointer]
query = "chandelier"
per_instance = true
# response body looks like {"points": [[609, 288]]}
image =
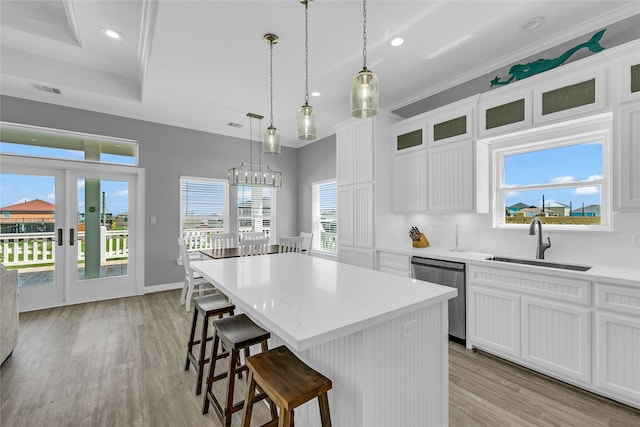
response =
{"points": [[254, 174]]}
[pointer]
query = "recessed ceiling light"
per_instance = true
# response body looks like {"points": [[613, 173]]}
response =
{"points": [[111, 33], [315, 93], [396, 41], [532, 23]]}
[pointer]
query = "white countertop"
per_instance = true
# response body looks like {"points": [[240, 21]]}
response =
{"points": [[306, 300], [597, 273]]}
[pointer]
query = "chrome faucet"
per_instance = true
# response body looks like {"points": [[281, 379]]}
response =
{"points": [[541, 246]]}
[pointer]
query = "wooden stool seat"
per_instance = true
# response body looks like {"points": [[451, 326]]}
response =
{"points": [[288, 382], [208, 306], [236, 333]]}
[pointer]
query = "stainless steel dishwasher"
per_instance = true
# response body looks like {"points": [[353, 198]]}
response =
{"points": [[446, 273]]}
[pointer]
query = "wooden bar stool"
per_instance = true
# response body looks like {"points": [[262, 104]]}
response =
{"points": [[288, 382], [236, 333], [208, 306]]}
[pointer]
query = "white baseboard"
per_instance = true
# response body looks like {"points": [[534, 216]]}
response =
{"points": [[162, 288]]}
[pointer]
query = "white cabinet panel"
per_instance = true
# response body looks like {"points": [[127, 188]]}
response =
{"points": [[364, 257], [450, 178], [629, 80], [618, 356], [345, 215], [504, 110], [344, 155], [557, 338], [628, 157], [363, 215], [566, 96], [493, 320], [410, 181], [394, 263], [618, 299], [363, 151], [345, 254]]}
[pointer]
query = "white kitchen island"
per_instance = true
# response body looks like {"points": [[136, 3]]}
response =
{"points": [[382, 339]]}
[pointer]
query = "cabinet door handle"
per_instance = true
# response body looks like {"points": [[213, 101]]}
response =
{"points": [[71, 236], [60, 237]]}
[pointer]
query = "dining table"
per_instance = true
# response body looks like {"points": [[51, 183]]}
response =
{"points": [[220, 253], [381, 338]]}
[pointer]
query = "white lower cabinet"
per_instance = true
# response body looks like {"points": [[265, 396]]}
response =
{"points": [[618, 356], [617, 339], [557, 337], [393, 263], [553, 325], [357, 256], [493, 319]]}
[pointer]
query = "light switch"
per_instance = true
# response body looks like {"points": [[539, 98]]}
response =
{"points": [[152, 220]]}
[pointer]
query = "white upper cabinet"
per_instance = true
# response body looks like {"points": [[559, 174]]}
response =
{"points": [[344, 155], [354, 152], [451, 178], [410, 134], [451, 123], [504, 111], [410, 181], [450, 166], [574, 93], [628, 157], [409, 167], [629, 75]]}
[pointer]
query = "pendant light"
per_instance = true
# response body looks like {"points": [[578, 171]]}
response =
{"points": [[254, 174], [364, 87], [307, 121], [271, 143]]}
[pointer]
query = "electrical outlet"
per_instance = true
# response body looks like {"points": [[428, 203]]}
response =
{"points": [[152, 220], [636, 240], [409, 329]]}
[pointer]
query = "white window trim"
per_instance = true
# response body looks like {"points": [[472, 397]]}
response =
{"points": [[586, 129], [315, 219]]}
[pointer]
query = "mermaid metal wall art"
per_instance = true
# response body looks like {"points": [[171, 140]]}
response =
{"points": [[520, 71]]}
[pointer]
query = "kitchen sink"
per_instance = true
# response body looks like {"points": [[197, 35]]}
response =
{"points": [[540, 263]]}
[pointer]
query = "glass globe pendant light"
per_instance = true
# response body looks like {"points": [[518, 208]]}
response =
{"points": [[307, 121], [271, 142], [364, 87]]}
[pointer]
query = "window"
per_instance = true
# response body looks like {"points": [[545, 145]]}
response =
{"points": [[256, 208], [324, 216], [560, 173], [24, 140], [204, 210]]}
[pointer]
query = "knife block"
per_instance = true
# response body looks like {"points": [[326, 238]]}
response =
{"points": [[422, 243]]}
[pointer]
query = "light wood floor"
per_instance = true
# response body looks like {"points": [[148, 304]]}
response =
{"points": [[120, 363]]}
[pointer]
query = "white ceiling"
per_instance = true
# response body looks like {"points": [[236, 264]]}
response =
{"points": [[203, 64]]}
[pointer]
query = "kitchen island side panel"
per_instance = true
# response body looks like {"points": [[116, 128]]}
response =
{"points": [[391, 374]]}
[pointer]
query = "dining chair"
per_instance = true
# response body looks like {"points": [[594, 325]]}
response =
{"points": [[306, 242], [191, 278], [249, 247], [224, 240], [252, 235], [290, 244]]}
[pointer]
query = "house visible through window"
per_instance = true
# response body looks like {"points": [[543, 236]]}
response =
{"points": [[564, 180], [204, 209], [324, 216], [256, 207]]}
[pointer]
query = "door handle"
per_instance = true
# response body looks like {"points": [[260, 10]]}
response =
{"points": [[71, 236], [60, 237]]}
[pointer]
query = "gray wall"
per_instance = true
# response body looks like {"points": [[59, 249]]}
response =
{"points": [[316, 162], [166, 153]]}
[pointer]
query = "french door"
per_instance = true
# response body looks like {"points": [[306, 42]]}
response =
{"points": [[90, 244]]}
